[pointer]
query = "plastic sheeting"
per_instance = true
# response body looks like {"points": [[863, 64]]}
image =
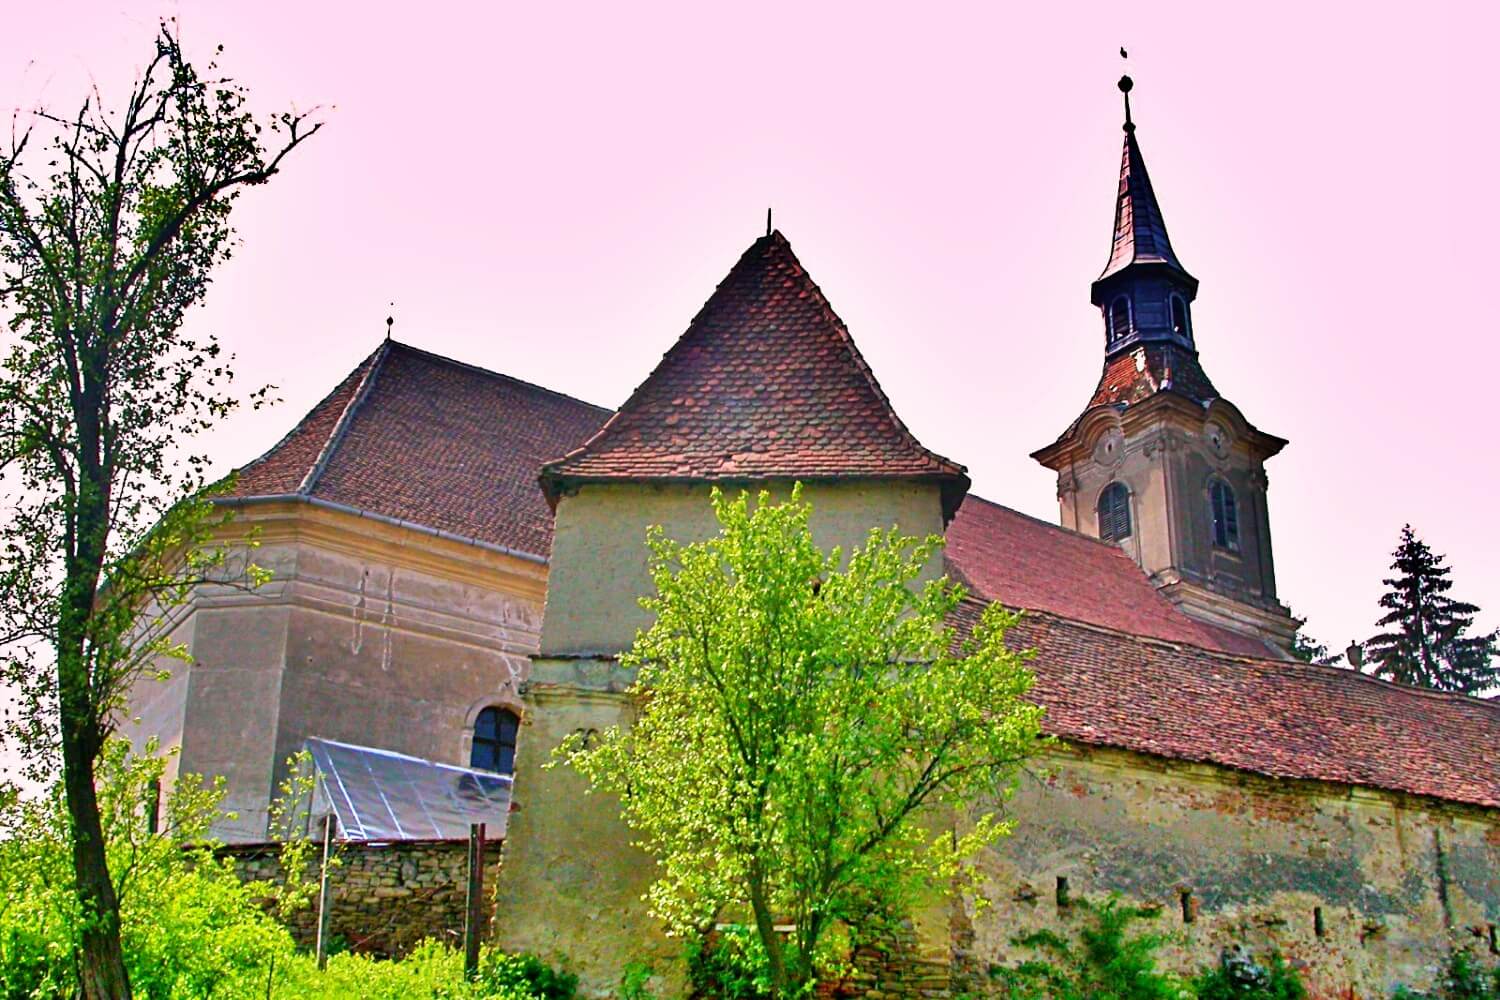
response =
{"points": [[381, 795]]}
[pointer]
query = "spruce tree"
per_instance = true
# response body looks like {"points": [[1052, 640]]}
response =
{"points": [[1425, 641]]}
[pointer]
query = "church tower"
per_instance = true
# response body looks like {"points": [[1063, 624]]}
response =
{"points": [[1159, 462]]}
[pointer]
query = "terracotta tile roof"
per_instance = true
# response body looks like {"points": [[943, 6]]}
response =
{"points": [[765, 383], [1140, 229], [1152, 368], [1004, 555], [1271, 717], [418, 437]]}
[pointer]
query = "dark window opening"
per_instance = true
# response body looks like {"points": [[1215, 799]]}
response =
{"points": [[1189, 906], [494, 747], [1063, 900], [1319, 928], [1119, 318], [1114, 512], [1179, 316], [1494, 940], [1226, 516]]}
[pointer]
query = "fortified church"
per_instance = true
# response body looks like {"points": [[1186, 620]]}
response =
{"points": [[457, 557]]}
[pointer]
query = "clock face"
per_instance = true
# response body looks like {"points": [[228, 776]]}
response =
{"points": [[1111, 448]]}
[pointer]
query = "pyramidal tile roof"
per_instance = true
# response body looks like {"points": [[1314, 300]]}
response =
{"points": [[426, 440], [1140, 229], [765, 384]]}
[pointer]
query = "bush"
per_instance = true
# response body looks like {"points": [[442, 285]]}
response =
{"points": [[1465, 978], [1106, 963], [1239, 977], [729, 964], [527, 975]]}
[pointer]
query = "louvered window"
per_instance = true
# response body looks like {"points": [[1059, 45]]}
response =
{"points": [[1114, 512], [1226, 517], [494, 746], [1179, 316], [1119, 318]]}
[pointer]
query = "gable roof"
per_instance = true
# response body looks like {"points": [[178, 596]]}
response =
{"points": [[765, 384], [1026, 564], [1282, 719], [423, 439]]}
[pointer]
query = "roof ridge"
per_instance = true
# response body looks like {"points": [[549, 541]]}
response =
{"points": [[1298, 666], [341, 426], [481, 370], [847, 339], [1042, 522]]}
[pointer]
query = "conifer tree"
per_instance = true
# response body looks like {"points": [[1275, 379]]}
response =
{"points": [[1425, 641]]}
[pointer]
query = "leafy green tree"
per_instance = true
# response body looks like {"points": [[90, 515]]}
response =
{"points": [[1108, 961], [807, 729], [1426, 641], [111, 222]]}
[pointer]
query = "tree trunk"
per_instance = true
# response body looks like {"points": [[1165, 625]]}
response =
{"points": [[101, 964], [765, 925]]}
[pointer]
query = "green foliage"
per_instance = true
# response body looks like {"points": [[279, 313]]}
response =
{"points": [[1107, 962], [528, 975], [1239, 977], [1465, 978], [188, 925], [805, 724], [1426, 642], [729, 964]]}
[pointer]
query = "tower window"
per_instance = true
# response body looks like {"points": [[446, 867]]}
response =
{"points": [[1114, 512], [1179, 316], [1226, 516], [494, 746], [1119, 318]]}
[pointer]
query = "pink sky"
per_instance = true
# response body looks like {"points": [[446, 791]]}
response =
{"points": [[552, 190]]}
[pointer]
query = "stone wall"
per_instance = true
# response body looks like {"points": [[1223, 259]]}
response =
{"points": [[386, 896]]}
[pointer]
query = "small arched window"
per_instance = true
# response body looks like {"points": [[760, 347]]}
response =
{"points": [[494, 747], [1179, 316], [1119, 318], [1226, 517], [1114, 512]]}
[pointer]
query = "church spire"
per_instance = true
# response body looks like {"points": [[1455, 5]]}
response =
{"points": [[1144, 290]]}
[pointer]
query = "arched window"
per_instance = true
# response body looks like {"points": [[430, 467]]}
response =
{"points": [[1114, 512], [1179, 316], [1226, 517], [1119, 318], [494, 746]]}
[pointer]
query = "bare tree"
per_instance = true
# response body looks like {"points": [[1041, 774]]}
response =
{"points": [[111, 223]]}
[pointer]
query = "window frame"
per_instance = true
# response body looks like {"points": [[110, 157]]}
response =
{"points": [[1176, 301], [1115, 332], [1223, 515], [507, 723], [1123, 509]]}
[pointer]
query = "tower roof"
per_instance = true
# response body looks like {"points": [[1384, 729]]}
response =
{"points": [[765, 384], [1140, 236]]}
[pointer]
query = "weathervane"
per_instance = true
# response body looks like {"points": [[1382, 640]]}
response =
{"points": [[1125, 84]]}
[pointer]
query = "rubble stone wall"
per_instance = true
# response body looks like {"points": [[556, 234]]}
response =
{"points": [[386, 896]]}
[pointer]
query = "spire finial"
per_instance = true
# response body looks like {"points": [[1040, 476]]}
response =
{"points": [[1125, 84], [390, 321], [768, 220]]}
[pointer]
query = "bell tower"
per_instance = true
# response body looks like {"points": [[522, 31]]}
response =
{"points": [[1158, 462]]}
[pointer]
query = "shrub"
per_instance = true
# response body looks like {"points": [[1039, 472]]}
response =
{"points": [[729, 964], [527, 975], [1240, 977], [1465, 978], [1107, 962]]}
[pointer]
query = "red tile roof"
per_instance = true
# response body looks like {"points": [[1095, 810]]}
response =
{"points": [[765, 383], [1004, 555], [420, 438], [1271, 717], [1153, 368]]}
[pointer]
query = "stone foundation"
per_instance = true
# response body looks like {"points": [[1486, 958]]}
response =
{"points": [[386, 896]]}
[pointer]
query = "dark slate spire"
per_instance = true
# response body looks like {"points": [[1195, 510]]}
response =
{"points": [[1140, 237]]}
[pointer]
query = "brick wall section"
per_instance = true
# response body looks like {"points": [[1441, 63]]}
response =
{"points": [[386, 896]]}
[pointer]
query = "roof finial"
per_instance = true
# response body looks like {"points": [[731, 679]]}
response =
{"points": [[768, 220], [1125, 84], [390, 321]]}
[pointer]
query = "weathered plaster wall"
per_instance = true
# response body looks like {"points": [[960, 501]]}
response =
{"points": [[366, 633], [599, 554], [1395, 879]]}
